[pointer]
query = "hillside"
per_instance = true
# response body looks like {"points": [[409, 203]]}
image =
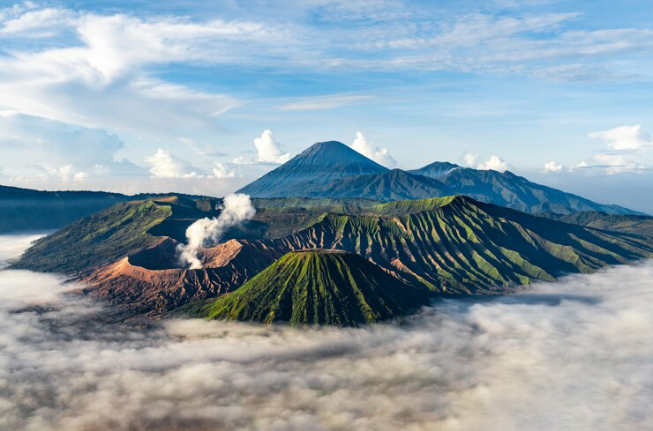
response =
{"points": [[387, 186], [451, 245], [637, 225], [25, 209], [108, 235], [459, 245], [319, 287]]}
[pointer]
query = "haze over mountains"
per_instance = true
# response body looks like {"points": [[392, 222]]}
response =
{"points": [[333, 170]]}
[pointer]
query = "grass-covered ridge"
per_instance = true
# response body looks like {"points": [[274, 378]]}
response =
{"points": [[451, 245], [106, 236], [458, 245], [91, 241], [319, 287]]}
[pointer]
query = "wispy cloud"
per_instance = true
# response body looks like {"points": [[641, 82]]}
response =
{"points": [[321, 103]]}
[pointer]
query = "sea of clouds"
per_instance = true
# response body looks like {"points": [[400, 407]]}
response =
{"points": [[573, 355]]}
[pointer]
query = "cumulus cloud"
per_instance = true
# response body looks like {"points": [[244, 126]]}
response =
{"points": [[165, 165], [370, 150], [470, 160], [568, 355], [494, 163], [552, 166], [625, 138], [35, 149], [221, 170], [269, 150]]}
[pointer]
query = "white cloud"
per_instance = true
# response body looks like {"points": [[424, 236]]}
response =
{"points": [[372, 151], [35, 150], [240, 160], [221, 170], [108, 62], [80, 176], [269, 150], [325, 102], [470, 160], [552, 166], [630, 151], [576, 352], [38, 23], [165, 165], [615, 163], [625, 138], [494, 163], [66, 173]]}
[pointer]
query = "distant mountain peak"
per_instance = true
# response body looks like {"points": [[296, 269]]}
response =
{"points": [[332, 152], [318, 165], [436, 170]]}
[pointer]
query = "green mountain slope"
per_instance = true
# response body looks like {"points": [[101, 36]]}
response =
{"points": [[450, 245], [109, 235], [95, 240], [638, 225], [319, 287], [458, 245]]}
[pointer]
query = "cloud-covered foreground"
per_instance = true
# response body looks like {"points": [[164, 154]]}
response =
{"points": [[572, 355]]}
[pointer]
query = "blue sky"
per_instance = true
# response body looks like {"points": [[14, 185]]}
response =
{"points": [[159, 96]]}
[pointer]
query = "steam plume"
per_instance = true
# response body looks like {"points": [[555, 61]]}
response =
{"points": [[236, 209]]}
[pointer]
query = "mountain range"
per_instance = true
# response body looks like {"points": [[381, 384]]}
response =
{"points": [[334, 170], [449, 246], [336, 239]]}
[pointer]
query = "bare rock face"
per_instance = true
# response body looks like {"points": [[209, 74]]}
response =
{"points": [[152, 282]]}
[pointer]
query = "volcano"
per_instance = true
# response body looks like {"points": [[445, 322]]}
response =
{"points": [[317, 166], [320, 287]]}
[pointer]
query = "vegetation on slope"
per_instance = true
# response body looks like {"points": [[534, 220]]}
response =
{"points": [[452, 244], [96, 240], [638, 225], [458, 245], [319, 287]]}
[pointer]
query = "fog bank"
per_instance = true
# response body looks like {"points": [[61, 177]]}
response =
{"points": [[573, 355]]}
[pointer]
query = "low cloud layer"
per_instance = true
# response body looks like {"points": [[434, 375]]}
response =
{"points": [[570, 355]]}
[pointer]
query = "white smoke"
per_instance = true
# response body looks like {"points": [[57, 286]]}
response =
{"points": [[572, 355], [236, 209]]}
